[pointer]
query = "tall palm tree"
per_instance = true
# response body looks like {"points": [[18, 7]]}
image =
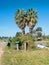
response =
{"points": [[20, 19], [31, 18]]}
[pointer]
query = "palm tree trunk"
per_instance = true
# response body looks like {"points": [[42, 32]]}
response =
{"points": [[30, 29], [23, 31], [31, 26]]}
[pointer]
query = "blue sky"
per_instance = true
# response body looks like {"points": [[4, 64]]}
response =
{"points": [[7, 12]]}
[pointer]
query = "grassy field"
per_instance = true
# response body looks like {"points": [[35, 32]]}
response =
{"points": [[33, 57]]}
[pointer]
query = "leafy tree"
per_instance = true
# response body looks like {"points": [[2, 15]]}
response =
{"points": [[48, 37], [39, 32], [18, 34], [34, 32], [39, 29]]}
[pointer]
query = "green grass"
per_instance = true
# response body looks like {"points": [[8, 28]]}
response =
{"points": [[33, 57]]}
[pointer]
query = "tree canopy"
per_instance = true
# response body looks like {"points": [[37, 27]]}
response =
{"points": [[26, 18]]}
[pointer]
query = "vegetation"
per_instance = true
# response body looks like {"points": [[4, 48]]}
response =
{"points": [[4, 38], [34, 57], [19, 18], [24, 18], [31, 19], [39, 31], [22, 39]]}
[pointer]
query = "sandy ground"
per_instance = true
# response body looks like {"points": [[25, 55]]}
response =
{"points": [[2, 44], [1, 52]]}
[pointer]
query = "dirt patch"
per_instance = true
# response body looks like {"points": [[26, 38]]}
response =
{"points": [[1, 52], [2, 44]]}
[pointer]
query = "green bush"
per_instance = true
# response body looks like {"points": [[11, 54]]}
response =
{"points": [[26, 38]]}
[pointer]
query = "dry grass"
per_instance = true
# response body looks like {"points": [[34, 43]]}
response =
{"points": [[34, 57]]}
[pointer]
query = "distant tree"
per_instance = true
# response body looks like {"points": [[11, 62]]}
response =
{"points": [[10, 39], [34, 32], [48, 37], [18, 34], [44, 36], [0, 37], [39, 29], [39, 32]]}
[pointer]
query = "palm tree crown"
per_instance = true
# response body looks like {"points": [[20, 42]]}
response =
{"points": [[31, 18], [19, 18], [24, 18]]}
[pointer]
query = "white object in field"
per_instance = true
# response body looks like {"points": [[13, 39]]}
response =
{"points": [[25, 46], [40, 46], [17, 46]]}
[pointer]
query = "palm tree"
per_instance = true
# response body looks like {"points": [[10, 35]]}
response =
{"points": [[20, 20], [31, 18]]}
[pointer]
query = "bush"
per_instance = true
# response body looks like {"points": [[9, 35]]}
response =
{"points": [[26, 38]]}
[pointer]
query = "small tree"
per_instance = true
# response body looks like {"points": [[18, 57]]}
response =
{"points": [[39, 29], [39, 32], [18, 34]]}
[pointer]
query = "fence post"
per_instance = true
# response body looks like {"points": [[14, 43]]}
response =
{"points": [[17, 46], [25, 46]]}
